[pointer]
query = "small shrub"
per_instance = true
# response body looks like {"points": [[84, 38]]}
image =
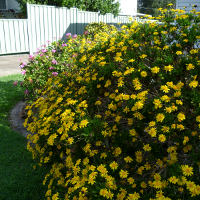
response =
{"points": [[123, 122]]}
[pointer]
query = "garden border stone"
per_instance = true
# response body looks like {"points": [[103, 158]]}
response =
{"points": [[16, 118]]}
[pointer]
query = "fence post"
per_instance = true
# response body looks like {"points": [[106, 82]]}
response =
{"points": [[29, 29]]}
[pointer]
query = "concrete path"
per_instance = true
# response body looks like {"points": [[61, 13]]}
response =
{"points": [[10, 64]]}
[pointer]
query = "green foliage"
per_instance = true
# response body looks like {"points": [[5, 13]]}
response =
{"points": [[101, 27], [122, 121], [102, 6]]}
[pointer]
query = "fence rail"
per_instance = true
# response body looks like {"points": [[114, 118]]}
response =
{"points": [[47, 24]]}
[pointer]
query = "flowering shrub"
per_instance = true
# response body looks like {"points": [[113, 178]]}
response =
{"points": [[56, 58], [123, 122]]}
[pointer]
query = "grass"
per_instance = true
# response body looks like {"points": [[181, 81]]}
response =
{"points": [[18, 180]]}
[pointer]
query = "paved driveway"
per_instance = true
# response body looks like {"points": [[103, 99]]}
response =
{"points": [[10, 64]]}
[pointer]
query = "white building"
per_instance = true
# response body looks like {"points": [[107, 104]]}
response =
{"points": [[188, 4], [9, 4], [128, 7]]}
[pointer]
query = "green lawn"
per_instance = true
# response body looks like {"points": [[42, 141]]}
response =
{"points": [[18, 180]]}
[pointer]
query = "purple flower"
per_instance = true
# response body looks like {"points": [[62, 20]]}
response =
{"points": [[31, 57], [26, 92], [44, 50], [86, 33], [23, 72], [53, 50], [23, 65], [74, 36], [68, 35], [54, 62], [41, 54], [22, 83], [15, 83], [54, 73], [51, 68], [64, 45]]}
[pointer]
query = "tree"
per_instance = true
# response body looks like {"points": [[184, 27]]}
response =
{"points": [[102, 6], [151, 6]]}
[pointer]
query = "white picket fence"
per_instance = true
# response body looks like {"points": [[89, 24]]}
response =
{"points": [[46, 24]]}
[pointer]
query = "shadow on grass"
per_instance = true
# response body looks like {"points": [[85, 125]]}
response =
{"points": [[18, 179]]}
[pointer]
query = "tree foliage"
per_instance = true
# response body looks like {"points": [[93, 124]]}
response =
{"points": [[102, 6]]}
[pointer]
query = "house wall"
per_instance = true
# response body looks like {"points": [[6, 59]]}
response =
{"points": [[180, 4], [128, 7], [12, 4]]}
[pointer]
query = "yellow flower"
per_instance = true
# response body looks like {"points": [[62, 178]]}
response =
{"points": [[83, 123], [169, 68], [147, 147], [143, 56], [187, 171], [70, 140], [173, 179], [55, 196], [103, 155], [123, 173], [143, 184], [162, 138], [136, 83], [108, 83], [131, 60], [106, 193], [194, 51], [152, 132], [143, 73], [113, 165], [102, 169], [179, 53], [160, 117], [132, 132], [198, 118], [117, 151], [152, 123], [130, 180], [155, 70], [128, 159], [51, 139], [181, 117], [165, 47], [157, 184], [193, 84], [157, 103], [134, 196], [190, 66], [164, 88], [83, 59], [98, 103]]}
